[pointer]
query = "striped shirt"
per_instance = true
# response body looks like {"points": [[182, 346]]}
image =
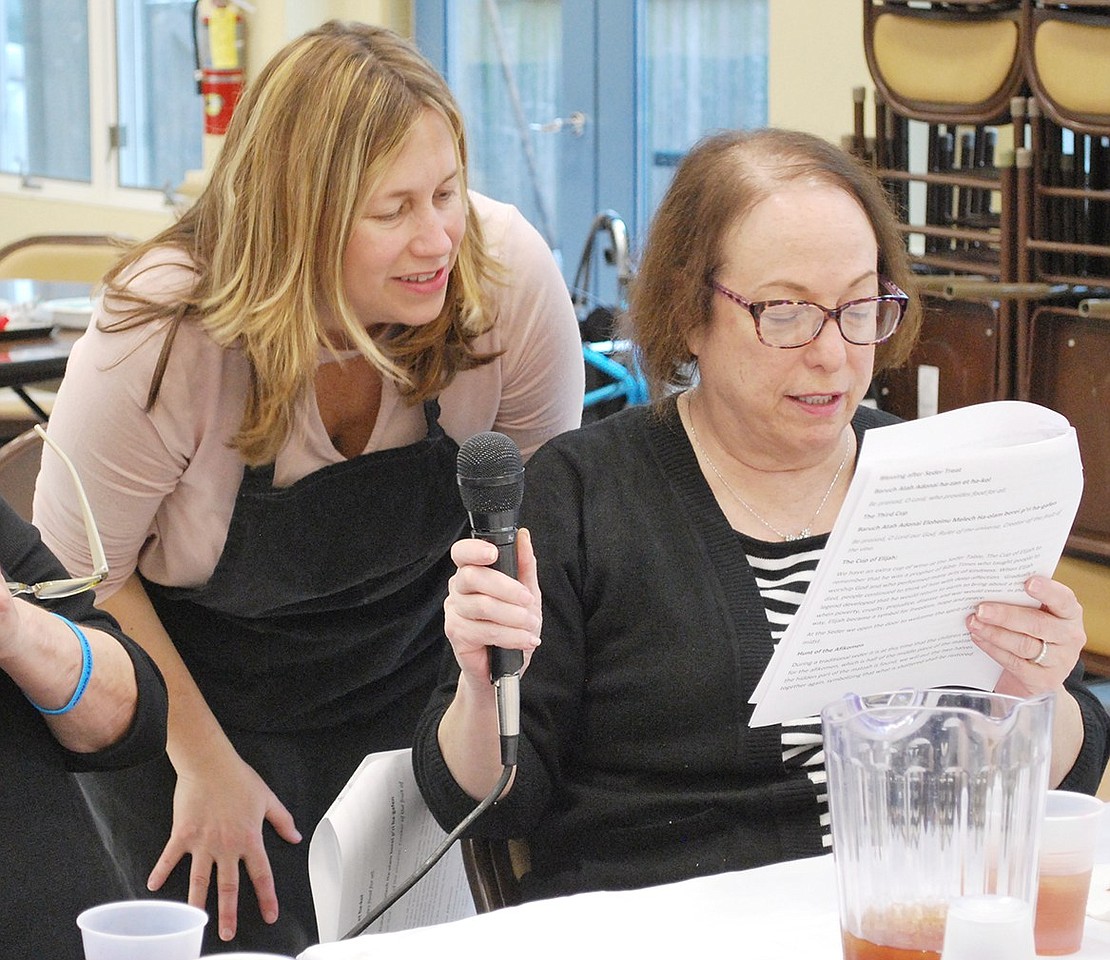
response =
{"points": [[783, 572]]}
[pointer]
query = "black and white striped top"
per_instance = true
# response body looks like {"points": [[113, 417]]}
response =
{"points": [[783, 572]]}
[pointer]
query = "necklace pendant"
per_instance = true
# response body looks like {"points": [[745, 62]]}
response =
{"points": [[800, 535]]}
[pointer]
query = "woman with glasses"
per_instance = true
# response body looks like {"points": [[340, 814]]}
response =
{"points": [[266, 410], [75, 695], [675, 542]]}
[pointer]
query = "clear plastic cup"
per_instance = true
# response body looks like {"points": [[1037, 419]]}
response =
{"points": [[1068, 836], [142, 930], [988, 927]]}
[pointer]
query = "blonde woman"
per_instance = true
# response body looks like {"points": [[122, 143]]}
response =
{"points": [[266, 409]]}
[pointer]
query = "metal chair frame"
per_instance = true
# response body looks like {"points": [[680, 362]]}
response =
{"points": [[19, 469], [614, 358], [493, 869], [42, 256], [1088, 20], [992, 108]]}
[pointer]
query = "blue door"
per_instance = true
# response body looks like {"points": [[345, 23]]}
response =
{"points": [[575, 107]]}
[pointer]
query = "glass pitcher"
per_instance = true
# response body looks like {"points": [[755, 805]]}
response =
{"points": [[933, 794]]}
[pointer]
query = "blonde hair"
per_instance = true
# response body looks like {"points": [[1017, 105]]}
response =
{"points": [[717, 184], [307, 143]]}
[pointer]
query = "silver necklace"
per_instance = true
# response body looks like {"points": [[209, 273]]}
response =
{"points": [[801, 534]]}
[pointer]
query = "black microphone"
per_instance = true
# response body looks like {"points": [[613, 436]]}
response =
{"points": [[491, 483]]}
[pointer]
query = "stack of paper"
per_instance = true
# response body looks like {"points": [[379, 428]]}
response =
{"points": [[942, 513]]}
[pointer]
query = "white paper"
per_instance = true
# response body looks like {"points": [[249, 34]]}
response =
{"points": [[942, 513], [375, 835]]}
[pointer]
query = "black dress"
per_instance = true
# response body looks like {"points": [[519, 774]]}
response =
{"points": [[315, 641]]}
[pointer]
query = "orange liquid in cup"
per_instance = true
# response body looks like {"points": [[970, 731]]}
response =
{"points": [[1061, 910], [856, 949], [900, 933]]}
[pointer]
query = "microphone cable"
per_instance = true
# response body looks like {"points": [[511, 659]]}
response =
{"points": [[491, 483], [437, 854]]}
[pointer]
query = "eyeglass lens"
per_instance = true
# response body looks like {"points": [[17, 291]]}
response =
{"points": [[863, 322]]}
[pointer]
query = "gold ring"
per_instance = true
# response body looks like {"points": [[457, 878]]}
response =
{"points": [[1039, 658]]}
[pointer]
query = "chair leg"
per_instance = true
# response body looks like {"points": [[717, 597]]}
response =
{"points": [[29, 400]]}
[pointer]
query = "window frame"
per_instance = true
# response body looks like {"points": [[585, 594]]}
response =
{"points": [[614, 26], [103, 188]]}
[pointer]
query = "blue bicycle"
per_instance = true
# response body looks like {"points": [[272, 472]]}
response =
{"points": [[613, 378]]}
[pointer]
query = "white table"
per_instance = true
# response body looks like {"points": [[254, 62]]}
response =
{"points": [[780, 912]]}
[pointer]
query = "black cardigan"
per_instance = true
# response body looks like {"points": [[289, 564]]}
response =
{"points": [[637, 765]]}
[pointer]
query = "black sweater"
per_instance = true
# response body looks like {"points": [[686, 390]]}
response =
{"points": [[637, 765], [54, 863]]}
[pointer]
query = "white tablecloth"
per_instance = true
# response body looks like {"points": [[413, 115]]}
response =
{"points": [[781, 912]]}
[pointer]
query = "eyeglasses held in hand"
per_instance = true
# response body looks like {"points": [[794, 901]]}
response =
{"points": [[56, 589], [794, 323]]}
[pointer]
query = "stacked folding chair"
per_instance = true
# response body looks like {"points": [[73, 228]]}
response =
{"points": [[954, 69], [1010, 232]]}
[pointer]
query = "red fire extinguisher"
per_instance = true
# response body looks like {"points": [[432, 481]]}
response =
{"points": [[218, 36]]}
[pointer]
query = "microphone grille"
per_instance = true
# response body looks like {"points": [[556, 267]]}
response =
{"points": [[490, 473]]}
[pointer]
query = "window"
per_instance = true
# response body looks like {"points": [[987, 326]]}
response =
{"points": [[161, 113], [578, 106], [45, 124], [99, 99], [705, 69]]}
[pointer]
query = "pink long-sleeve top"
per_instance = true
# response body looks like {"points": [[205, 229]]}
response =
{"points": [[162, 484]]}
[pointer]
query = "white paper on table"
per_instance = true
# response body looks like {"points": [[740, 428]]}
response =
{"points": [[942, 513], [375, 835]]}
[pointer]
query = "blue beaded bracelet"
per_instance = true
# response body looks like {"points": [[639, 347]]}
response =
{"points": [[86, 671]]}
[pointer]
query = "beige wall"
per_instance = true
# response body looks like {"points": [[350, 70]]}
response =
{"points": [[816, 59], [279, 20]]}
